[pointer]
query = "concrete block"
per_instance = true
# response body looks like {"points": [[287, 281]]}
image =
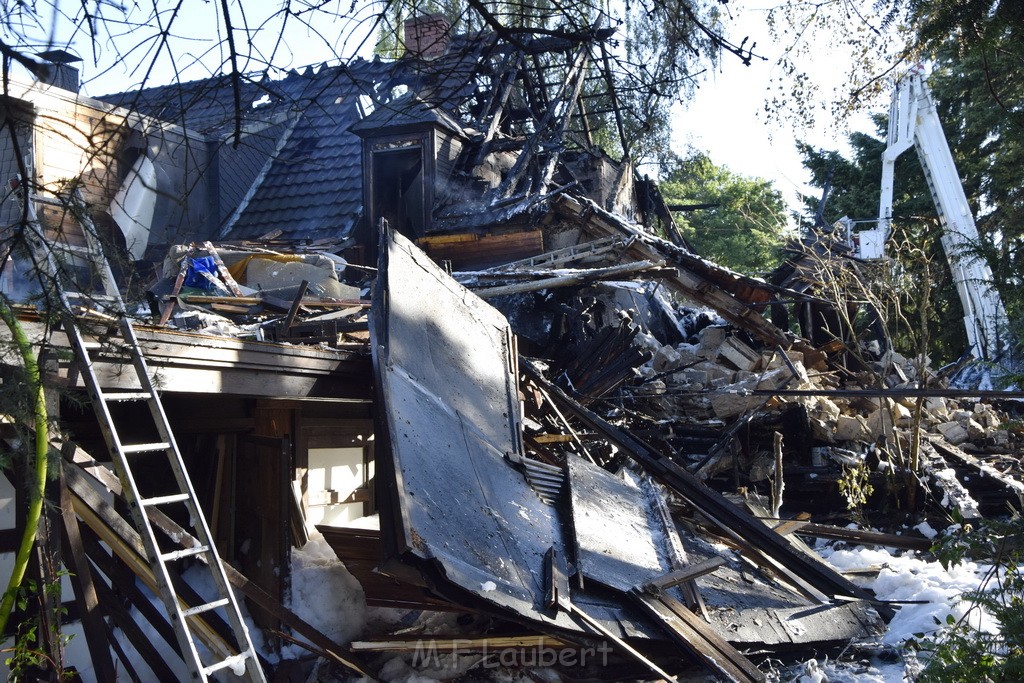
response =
{"points": [[822, 430], [852, 428], [691, 376], [666, 359], [953, 432], [710, 339], [716, 371], [689, 353], [975, 431], [733, 351]]}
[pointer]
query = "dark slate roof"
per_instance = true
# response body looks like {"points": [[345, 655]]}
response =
{"points": [[407, 111], [297, 167], [295, 147]]}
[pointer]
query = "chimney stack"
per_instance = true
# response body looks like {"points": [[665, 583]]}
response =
{"points": [[61, 73], [427, 35]]}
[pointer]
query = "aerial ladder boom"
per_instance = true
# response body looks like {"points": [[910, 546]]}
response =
{"points": [[913, 121]]}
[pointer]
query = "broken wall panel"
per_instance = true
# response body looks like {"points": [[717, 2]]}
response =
{"points": [[619, 533], [445, 363]]}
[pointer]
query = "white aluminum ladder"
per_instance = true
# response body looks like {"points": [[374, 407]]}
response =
{"points": [[56, 258]]}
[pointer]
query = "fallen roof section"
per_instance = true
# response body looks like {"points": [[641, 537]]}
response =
{"points": [[573, 550]]}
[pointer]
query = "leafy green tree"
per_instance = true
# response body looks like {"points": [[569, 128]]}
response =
{"points": [[743, 222]]}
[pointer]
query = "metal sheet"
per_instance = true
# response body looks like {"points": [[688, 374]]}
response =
{"points": [[621, 541], [446, 365]]}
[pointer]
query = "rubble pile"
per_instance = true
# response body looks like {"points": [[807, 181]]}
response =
{"points": [[291, 294], [831, 420]]}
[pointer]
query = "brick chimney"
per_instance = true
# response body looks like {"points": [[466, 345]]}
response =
{"points": [[427, 35], [61, 73]]}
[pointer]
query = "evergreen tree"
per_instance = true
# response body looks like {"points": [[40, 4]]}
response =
{"points": [[979, 96], [914, 244]]}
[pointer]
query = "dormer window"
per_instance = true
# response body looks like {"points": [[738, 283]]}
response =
{"points": [[409, 152], [399, 192]]}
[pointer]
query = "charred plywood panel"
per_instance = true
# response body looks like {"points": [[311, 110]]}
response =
{"points": [[446, 370], [620, 537]]}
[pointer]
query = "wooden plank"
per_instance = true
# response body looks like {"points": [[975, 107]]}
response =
{"points": [[432, 241], [551, 438], [570, 280], [489, 248], [122, 538], [179, 281], [85, 590], [309, 302], [679, 576], [698, 638], [864, 537], [222, 270], [597, 626], [467, 645], [124, 621], [125, 586], [293, 310]]}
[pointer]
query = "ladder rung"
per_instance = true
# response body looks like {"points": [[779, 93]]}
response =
{"points": [[232, 661], [186, 552], [199, 609], [145, 447], [164, 500], [127, 396]]}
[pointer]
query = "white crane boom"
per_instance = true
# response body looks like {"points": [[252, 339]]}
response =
{"points": [[913, 121]]}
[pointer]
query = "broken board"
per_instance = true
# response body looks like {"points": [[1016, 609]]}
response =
{"points": [[620, 537]]}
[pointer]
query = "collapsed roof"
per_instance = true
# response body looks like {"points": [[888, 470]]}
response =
{"points": [[529, 496]]}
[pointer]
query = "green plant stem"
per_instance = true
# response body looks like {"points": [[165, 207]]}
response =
{"points": [[35, 506]]}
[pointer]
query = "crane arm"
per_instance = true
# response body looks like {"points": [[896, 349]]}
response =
{"points": [[913, 121]]}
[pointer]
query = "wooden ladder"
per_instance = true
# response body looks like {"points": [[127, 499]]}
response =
{"points": [[168, 494]]}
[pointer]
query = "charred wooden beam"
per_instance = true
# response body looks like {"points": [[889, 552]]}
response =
{"points": [[705, 283], [77, 562], [124, 621], [698, 638]]}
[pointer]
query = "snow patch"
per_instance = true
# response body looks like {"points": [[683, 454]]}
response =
{"points": [[325, 594]]}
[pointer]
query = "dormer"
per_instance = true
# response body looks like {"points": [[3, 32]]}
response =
{"points": [[409, 153]]}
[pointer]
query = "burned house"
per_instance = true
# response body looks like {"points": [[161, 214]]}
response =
{"points": [[417, 289]]}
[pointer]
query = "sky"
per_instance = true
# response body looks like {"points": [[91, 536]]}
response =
{"points": [[727, 117]]}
